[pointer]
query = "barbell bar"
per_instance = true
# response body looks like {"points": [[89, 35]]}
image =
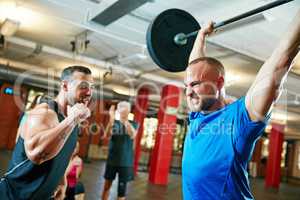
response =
{"points": [[169, 47], [181, 38]]}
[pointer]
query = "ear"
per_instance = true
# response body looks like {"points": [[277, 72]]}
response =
{"points": [[220, 83], [64, 85]]}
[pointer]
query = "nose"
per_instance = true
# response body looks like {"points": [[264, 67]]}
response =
{"points": [[89, 91], [188, 91]]}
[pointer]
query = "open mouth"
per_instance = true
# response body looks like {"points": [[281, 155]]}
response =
{"points": [[194, 97], [85, 99]]}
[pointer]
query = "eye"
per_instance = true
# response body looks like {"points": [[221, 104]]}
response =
{"points": [[196, 83], [84, 85]]}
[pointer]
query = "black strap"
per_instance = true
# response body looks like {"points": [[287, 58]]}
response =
{"points": [[48, 100]]}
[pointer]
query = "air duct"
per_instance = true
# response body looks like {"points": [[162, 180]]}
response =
{"points": [[35, 79]]}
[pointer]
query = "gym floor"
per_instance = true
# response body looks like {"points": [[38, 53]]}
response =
{"points": [[140, 188]]}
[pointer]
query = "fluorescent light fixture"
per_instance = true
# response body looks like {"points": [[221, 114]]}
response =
{"points": [[14, 11], [9, 27]]}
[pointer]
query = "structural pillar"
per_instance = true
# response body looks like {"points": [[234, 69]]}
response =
{"points": [[162, 152], [12, 100], [140, 111], [256, 159], [273, 163]]}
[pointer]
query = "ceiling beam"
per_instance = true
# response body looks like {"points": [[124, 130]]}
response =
{"points": [[99, 63], [117, 10]]}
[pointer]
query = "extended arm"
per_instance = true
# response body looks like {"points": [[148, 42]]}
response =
{"points": [[130, 130], [266, 87], [198, 50], [44, 136], [108, 130]]}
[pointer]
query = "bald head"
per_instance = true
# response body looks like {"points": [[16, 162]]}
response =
{"points": [[211, 63]]}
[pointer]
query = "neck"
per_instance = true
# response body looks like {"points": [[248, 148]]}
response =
{"points": [[62, 103], [217, 105], [123, 119], [220, 103]]}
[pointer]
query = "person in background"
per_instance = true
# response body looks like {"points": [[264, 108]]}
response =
{"points": [[73, 173], [120, 158]]}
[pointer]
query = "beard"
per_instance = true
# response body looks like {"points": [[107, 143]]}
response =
{"points": [[71, 100], [200, 104]]}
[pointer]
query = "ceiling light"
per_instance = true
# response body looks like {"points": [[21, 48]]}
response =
{"points": [[27, 17], [9, 27]]}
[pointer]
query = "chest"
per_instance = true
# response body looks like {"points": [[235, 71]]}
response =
{"points": [[209, 148]]}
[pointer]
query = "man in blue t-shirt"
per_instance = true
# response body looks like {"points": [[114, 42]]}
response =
{"points": [[222, 136]]}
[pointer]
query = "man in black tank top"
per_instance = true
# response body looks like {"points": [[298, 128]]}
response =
{"points": [[47, 138]]}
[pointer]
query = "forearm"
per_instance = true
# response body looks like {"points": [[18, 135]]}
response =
{"points": [[198, 50], [108, 130], [291, 41], [60, 191], [47, 144], [130, 130]]}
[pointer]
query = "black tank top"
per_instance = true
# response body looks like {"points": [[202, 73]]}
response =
{"points": [[26, 180]]}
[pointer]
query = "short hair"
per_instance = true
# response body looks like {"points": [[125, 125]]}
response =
{"points": [[68, 72], [212, 62], [122, 104]]}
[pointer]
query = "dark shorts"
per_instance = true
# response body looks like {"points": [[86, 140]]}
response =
{"points": [[4, 191], [70, 193], [125, 173], [79, 188]]}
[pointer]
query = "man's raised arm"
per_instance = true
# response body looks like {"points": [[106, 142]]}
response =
{"points": [[198, 50], [266, 87]]}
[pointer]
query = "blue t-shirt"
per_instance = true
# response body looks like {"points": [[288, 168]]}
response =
{"points": [[217, 149]]}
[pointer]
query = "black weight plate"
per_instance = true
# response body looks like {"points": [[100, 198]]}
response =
{"points": [[160, 39]]}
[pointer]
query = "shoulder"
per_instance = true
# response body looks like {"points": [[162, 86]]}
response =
{"points": [[78, 161], [38, 119], [235, 104], [42, 112]]}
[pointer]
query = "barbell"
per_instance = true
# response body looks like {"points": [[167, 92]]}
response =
{"points": [[169, 47]]}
